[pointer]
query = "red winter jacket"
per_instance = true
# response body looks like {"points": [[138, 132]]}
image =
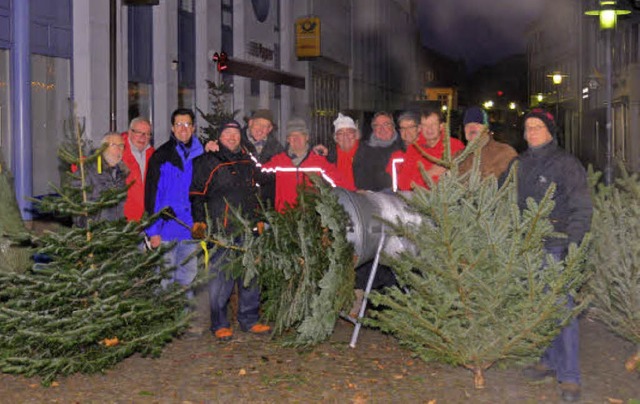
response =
{"points": [[409, 171], [134, 204], [288, 176]]}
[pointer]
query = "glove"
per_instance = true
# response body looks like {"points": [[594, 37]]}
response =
{"points": [[199, 230]]}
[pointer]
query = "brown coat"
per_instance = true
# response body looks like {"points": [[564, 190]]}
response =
{"points": [[494, 157]]}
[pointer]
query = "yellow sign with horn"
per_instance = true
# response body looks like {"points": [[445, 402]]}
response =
{"points": [[308, 37]]}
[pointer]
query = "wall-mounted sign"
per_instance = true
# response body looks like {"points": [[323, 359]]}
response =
{"points": [[260, 51], [308, 37]]}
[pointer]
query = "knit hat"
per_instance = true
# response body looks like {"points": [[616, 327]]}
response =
{"points": [[475, 115], [297, 125], [264, 114], [546, 117], [344, 122], [229, 123]]}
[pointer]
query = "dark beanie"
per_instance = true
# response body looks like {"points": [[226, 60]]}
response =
{"points": [[546, 117], [229, 123], [475, 115]]}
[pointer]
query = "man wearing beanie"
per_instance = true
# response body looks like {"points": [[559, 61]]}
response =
{"points": [[495, 157], [542, 164], [258, 139], [222, 182], [292, 166], [347, 138]]}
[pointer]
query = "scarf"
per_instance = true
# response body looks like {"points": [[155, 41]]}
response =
{"points": [[345, 163]]}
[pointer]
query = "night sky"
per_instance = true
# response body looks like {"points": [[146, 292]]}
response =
{"points": [[479, 31]]}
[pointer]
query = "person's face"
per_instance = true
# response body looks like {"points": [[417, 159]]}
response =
{"points": [[383, 127], [113, 153], [183, 128], [297, 142], [230, 138], [259, 128], [472, 130], [431, 128], [346, 138], [409, 131], [140, 135], [536, 132]]}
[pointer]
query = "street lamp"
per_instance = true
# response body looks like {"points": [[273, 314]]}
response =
{"points": [[608, 13], [556, 78]]}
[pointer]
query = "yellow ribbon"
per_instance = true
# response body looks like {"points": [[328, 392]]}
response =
{"points": [[203, 244], [99, 164]]}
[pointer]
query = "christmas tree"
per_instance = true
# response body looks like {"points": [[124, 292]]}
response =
{"points": [[219, 111], [303, 262], [474, 293], [99, 299], [13, 257], [615, 257]]}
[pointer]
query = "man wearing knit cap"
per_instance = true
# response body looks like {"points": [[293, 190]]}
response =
{"points": [[222, 182], [542, 164], [258, 139], [347, 137], [495, 157], [292, 166]]}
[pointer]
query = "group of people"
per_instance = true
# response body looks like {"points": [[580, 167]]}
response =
{"points": [[248, 164]]}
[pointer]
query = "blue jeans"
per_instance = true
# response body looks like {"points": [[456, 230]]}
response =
{"points": [[563, 353], [184, 272], [220, 289]]}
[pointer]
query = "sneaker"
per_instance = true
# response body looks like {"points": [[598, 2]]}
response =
{"points": [[223, 334], [259, 329], [538, 371], [569, 391]]}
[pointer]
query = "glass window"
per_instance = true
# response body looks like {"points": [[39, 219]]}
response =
{"points": [[50, 107], [5, 113]]}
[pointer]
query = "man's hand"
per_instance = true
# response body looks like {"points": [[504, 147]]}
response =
{"points": [[212, 146], [155, 241], [321, 149], [199, 230]]}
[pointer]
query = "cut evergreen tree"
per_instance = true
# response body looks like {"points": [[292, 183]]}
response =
{"points": [[219, 111], [99, 299], [615, 257], [13, 256], [303, 262], [474, 292]]}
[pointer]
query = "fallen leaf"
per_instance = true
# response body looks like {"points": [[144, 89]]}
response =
{"points": [[34, 385], [55, 384], [431, 401], [242, 372], [397, 377], [615, 400]]}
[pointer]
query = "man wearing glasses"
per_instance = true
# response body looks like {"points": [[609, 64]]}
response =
{"points": [[372, 157], [137, 151], [167, 187]]}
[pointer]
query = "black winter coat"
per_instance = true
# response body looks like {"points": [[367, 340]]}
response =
{"points": [[270, 149], [224, 180], [537, 169], [370, 165]]}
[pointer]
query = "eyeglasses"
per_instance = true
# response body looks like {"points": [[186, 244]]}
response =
{"points": [[380, 125], [183, 124], [118, 145], [141, 133], [406, 128]]}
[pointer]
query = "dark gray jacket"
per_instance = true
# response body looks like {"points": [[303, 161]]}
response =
{"points": [[537, 169], [114, 178]]}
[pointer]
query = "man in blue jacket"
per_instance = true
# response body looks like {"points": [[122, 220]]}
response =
{"points": [[167, 186]]}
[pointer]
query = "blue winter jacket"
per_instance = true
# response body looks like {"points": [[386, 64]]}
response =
{"points": [[167, 183]]}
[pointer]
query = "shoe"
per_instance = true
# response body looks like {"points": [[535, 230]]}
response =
{"points": [[259, 329], [569, 391], [223, 334], [538, 372]]}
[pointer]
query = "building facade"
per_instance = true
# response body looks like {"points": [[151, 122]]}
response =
{"points": [[109, 61]]}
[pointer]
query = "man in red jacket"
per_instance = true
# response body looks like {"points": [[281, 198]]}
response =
{"points": [[431, 142], [137, 151], [292, 166]]}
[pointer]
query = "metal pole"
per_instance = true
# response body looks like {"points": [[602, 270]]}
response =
{"points": [[112, 65], [21, 162], [608, 168]]}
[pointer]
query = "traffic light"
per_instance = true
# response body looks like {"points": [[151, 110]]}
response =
{"points": [[221, 61]]}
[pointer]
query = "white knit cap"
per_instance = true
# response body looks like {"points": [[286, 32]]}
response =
{"points": [[342, 122]]}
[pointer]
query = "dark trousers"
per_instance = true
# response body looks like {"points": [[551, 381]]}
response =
{"points": [[384, 276], [563, 353], [220, 289]]}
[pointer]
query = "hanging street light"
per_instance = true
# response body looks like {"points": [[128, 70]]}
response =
{"points": [[608, 14], [556, 78]]}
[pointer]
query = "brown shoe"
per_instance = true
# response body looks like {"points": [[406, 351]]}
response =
{"points": [[223, 334], [259, 329], [570, 391], [538, 372]]}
